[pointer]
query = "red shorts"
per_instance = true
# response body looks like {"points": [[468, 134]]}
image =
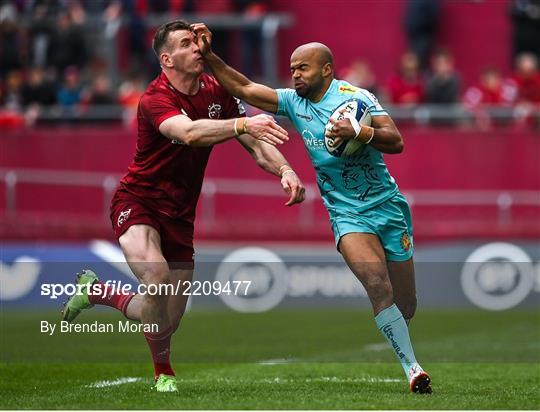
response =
{"points": [[176, 234]]}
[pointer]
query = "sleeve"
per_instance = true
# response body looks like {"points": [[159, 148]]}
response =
{"points": [[159, 107], [372, 102], [285, 102]]}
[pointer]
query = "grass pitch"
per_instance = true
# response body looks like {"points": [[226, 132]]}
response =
{"points": [[284, 359]]}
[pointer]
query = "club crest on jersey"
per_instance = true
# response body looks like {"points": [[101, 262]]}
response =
{"points": [[123, 216], [214, 111], [406, 242]]}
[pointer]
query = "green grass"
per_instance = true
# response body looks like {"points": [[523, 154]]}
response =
{"points": [[333, 359]]}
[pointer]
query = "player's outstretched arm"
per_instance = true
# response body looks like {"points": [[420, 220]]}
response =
{"points": [[270, 159], [206, 132], [235, 83]]}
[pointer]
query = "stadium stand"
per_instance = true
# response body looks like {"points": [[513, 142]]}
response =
{"points": [[72, 72]]}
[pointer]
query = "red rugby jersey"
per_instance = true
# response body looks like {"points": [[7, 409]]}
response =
{"points": [[165, 174]]}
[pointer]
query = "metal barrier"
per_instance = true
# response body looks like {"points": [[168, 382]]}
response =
{"points": [[503, 200]]}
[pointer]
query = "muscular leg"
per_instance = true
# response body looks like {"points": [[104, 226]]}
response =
{"points": [[177, 303], [365, 256], [141, 247], [404, 286]]}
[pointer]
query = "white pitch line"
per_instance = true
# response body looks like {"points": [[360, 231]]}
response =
{"points": [[279, 361], [377, 347], [120, 381], [279, 380]]}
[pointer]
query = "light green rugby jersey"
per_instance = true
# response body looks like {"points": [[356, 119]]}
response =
{"points": [[347, 184]]}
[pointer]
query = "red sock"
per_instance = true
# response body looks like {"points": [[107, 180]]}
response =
{"points": [[160, 346], [111, 297]]}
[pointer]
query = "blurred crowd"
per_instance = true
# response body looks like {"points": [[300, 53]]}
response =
{"points": [[410, 86], [58, 52], [426, 73], [50, 58]]}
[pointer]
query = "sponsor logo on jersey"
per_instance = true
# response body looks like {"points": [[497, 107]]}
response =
{"points": [[406, 242], [214, 111], [241, 108], [123, 216], [347, 90], [306, 117], [311, 141]]}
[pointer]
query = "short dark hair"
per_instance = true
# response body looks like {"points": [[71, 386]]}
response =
{"points": [[162, 33]]}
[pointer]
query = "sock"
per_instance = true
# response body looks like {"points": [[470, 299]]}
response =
{"points": [[392, 325], [111, 297], [160, 347]]}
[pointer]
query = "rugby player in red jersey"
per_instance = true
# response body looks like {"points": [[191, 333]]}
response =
{"points": [[182, 114]]}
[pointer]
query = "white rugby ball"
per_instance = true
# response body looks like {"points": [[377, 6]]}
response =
{"points": [[359, 110]]}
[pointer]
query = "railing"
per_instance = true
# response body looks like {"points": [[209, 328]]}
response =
{"points": [[424, 114], [502, 200]]}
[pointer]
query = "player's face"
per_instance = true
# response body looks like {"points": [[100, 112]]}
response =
{"points": [[185, 54], [306, 73]]}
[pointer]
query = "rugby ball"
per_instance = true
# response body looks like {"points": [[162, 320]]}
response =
{"points": [[356, 108]]}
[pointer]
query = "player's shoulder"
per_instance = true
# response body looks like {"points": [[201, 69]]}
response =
{"points": [[349, 91], [346, 89], [157, 88]]}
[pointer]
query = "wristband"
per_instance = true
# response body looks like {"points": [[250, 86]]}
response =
{"points": [[235, 129], [366, 134], [372, 135], [286, 167], [244, 127], [288, 171]]}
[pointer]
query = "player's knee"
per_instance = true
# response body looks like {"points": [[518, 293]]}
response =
{"points": [[378, 285]]}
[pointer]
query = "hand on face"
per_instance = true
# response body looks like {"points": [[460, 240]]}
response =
{"points": [[203, 38]]}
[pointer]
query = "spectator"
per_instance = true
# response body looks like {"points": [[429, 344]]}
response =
{"points": [[251, 39], [100, 92], [526, 82], [406, 86], [11, 94], [68, 47], [490, 90], [443, 85], [527, 79], [10, 40], [421, 23], [40, 36], [38, 90], [359, 74], [526, 23], [130, 92], [70, 92]]}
